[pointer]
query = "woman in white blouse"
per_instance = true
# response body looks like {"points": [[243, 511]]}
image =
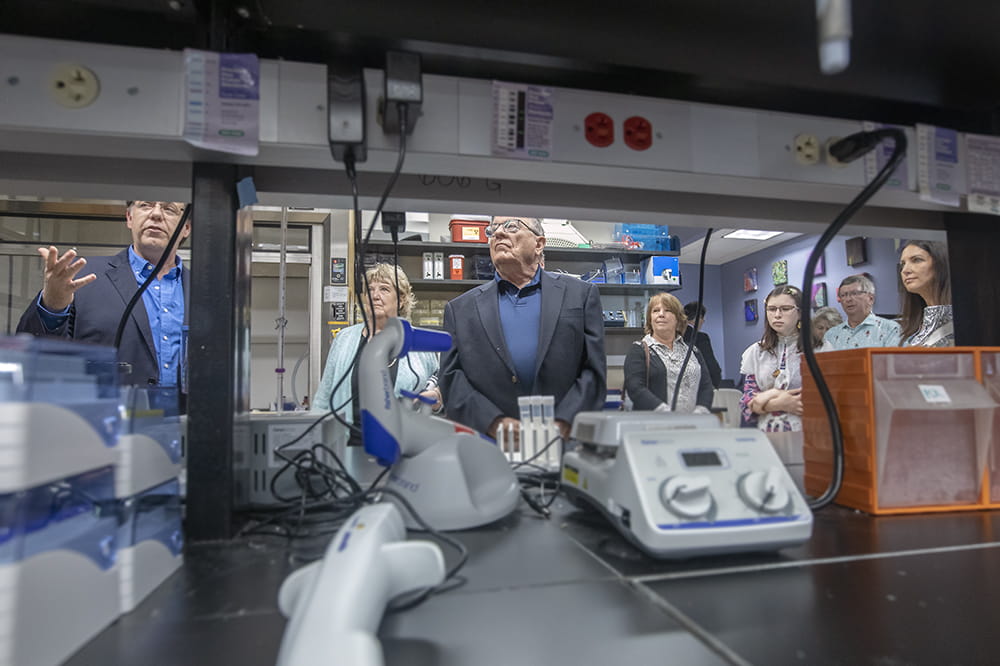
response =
{"points": [[653, 363], [772, 388]]}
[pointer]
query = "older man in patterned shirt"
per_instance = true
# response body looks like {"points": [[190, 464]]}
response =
{"points": [[862, 328]]}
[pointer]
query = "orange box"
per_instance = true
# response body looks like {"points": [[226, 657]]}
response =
{"points": [[918, 428], [468, 231]]}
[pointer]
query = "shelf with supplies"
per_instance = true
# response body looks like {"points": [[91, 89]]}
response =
{"points": [[469, 264], [417, 248], [604, 288], [474, 269]]}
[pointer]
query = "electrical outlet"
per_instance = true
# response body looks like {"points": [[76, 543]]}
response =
{"points": [[830, 159], [599, 129], [806, 149], [638, 133], [74, 86]]}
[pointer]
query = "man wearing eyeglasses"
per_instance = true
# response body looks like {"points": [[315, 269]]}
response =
{"points": [[84, 299], [526, 332], [862, 328]]}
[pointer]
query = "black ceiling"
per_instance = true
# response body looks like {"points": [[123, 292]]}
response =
{"points": [[912, 60]]}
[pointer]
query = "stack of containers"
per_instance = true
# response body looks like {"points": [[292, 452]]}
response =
{"points": [[654, 237], [538, 435], [59, 423], [90, 510], [147, 490]]}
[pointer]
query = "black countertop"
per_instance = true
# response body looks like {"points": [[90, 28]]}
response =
{"points": [[919, 589]]}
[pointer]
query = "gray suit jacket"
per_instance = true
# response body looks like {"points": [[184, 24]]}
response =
{"points": [[96, 310], [478, 380]]}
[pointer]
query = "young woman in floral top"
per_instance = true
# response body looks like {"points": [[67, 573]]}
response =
{"points": [[773, 381]]}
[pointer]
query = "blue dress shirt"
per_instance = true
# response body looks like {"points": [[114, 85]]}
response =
{"points": [[520, 318], [164, 303]]}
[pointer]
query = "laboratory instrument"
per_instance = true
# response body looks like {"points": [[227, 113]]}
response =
{"points": [[454, 477], [679, 486], [89, 496], [334, 605]]}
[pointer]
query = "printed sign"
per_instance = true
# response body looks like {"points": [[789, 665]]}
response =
{"points": [[522, 121], [222, 101]]}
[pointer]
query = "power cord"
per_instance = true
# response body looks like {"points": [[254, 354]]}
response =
{"points": [[539, 478], [306, 466], [167, 251], [697, 320], [845, 150]]}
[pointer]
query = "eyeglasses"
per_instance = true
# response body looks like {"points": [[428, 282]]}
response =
{"points": [[169, 208], [848, 295], [509, 227], [783, 309]]}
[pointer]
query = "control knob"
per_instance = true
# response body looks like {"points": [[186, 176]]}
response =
{"points": [[765, 490], [687, 496]]}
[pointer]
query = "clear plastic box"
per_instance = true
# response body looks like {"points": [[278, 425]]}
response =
{"points": [[991, 380], [153, 515], [933, 429], [79, 377], [78, 514], [154, 412]]}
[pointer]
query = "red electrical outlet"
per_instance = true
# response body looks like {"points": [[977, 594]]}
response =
{"points": [[638, 133], [600, 129]]}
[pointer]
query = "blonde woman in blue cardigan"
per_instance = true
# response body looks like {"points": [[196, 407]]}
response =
{"points": [[417, 371]]}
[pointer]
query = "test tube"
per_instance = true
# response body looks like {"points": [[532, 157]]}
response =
{"points": [[514, 452], [524, 405], [548, 409], [536, 409]]}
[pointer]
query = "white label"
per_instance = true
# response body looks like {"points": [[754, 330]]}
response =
{"points": [[934, 393], [334, 294], [940, 174], [278, 435], [222, 101], [522, 121], [983, 173]]}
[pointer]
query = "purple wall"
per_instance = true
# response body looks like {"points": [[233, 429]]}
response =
{"points": [[711, 299], [740, 334]]}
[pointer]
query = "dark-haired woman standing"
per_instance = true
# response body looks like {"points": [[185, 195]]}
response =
{"points": [[924, 277]]}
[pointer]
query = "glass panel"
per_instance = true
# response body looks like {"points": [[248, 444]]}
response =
{"points": [[64, 230], [267, 238]]}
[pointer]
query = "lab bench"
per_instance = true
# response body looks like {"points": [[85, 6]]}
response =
{"points": [[915, 589]]}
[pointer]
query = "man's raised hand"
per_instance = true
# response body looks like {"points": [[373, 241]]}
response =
{"points": [[59, 281]]}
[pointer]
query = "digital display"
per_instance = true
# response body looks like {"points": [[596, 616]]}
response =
{"points": [[701, 459]]}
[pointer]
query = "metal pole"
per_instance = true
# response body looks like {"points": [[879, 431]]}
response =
{"points": [[281, 322]]}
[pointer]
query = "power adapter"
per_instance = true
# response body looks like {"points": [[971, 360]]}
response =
{"points": [[393, 224], [345, 92], [403, 85]]}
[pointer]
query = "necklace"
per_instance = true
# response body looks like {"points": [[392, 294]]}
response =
{"points": [[781, 365]]}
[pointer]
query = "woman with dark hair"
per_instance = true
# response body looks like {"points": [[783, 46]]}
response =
{"points": [[773, 384], [653, 363], [926, 288]]}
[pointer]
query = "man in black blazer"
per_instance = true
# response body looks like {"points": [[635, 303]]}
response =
{"points": [[703, 343], [526, 332], [84, 299]]}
